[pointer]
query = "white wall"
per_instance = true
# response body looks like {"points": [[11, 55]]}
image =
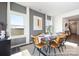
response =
{"points": [[78, 27], [58, 21], [63, 23], [27, 29], [57, 24], [52, 22]]}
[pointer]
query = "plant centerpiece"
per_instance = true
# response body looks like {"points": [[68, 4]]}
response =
{"points": [[49, 29]]}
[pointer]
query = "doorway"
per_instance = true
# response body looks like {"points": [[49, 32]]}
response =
{"points": [[73, 22], [73, 27]]}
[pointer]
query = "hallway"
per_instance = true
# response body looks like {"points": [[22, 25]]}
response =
{"points": [[74, 39]]}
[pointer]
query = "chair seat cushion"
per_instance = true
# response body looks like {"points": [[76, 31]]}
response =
{"points": [[54, 44], [40, 45]]}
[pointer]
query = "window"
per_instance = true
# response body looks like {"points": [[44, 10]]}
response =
{"points": [[17, 24], [48, 26]]}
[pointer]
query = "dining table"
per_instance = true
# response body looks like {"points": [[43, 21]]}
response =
{"points": [[47, 38]]}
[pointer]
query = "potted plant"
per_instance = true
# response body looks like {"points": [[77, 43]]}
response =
{"points": [[49, 29]]}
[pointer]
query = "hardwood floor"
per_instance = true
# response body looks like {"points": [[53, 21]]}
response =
{"points": [[74, 39]]}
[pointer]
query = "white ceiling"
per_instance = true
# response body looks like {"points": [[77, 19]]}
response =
{"points": [[52, 8], [74, 18]]}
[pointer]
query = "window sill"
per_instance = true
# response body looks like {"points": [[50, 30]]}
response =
{"points": [[15, 37]]}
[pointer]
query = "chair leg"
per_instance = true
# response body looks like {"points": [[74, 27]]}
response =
{"points": [[45, 49], [65, 46], [39, 53], [49, 50], [59, 49], [34, 50], [62, 48], [54, 52]]}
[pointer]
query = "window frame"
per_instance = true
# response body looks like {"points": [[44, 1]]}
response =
{"points": [[20, 14], [47, 24]]}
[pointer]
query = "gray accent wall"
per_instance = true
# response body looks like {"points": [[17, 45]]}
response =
{"points": [[3, 12], [48, 17], [21, 9], [18, 8], [18, 41], [32, 13]]}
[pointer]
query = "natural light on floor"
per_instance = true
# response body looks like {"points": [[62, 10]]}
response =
{"points": [[22, 53], [71, 44]]}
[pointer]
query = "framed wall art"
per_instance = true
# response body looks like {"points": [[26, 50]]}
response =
{"points": [[37, 23]]}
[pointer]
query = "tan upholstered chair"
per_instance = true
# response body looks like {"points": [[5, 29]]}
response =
{"points": [[37, 44]]}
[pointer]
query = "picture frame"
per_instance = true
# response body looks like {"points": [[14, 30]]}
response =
{"points": [[37, 24]]}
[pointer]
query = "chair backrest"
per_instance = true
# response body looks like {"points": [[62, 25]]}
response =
{"points": [[59, 40], [39, 33], [35, 40], [46, 33], [62, 33], [62, 36]]}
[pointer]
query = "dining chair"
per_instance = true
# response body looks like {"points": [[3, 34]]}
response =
{"points": [[62, 44], [39, 33], [65, 36], [56, 44], [37, 44], [46, 32], [68, 36]]}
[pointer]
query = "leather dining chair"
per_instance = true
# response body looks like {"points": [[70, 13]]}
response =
{"points": [[37, 44], [56, 44], [63, 37]]}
